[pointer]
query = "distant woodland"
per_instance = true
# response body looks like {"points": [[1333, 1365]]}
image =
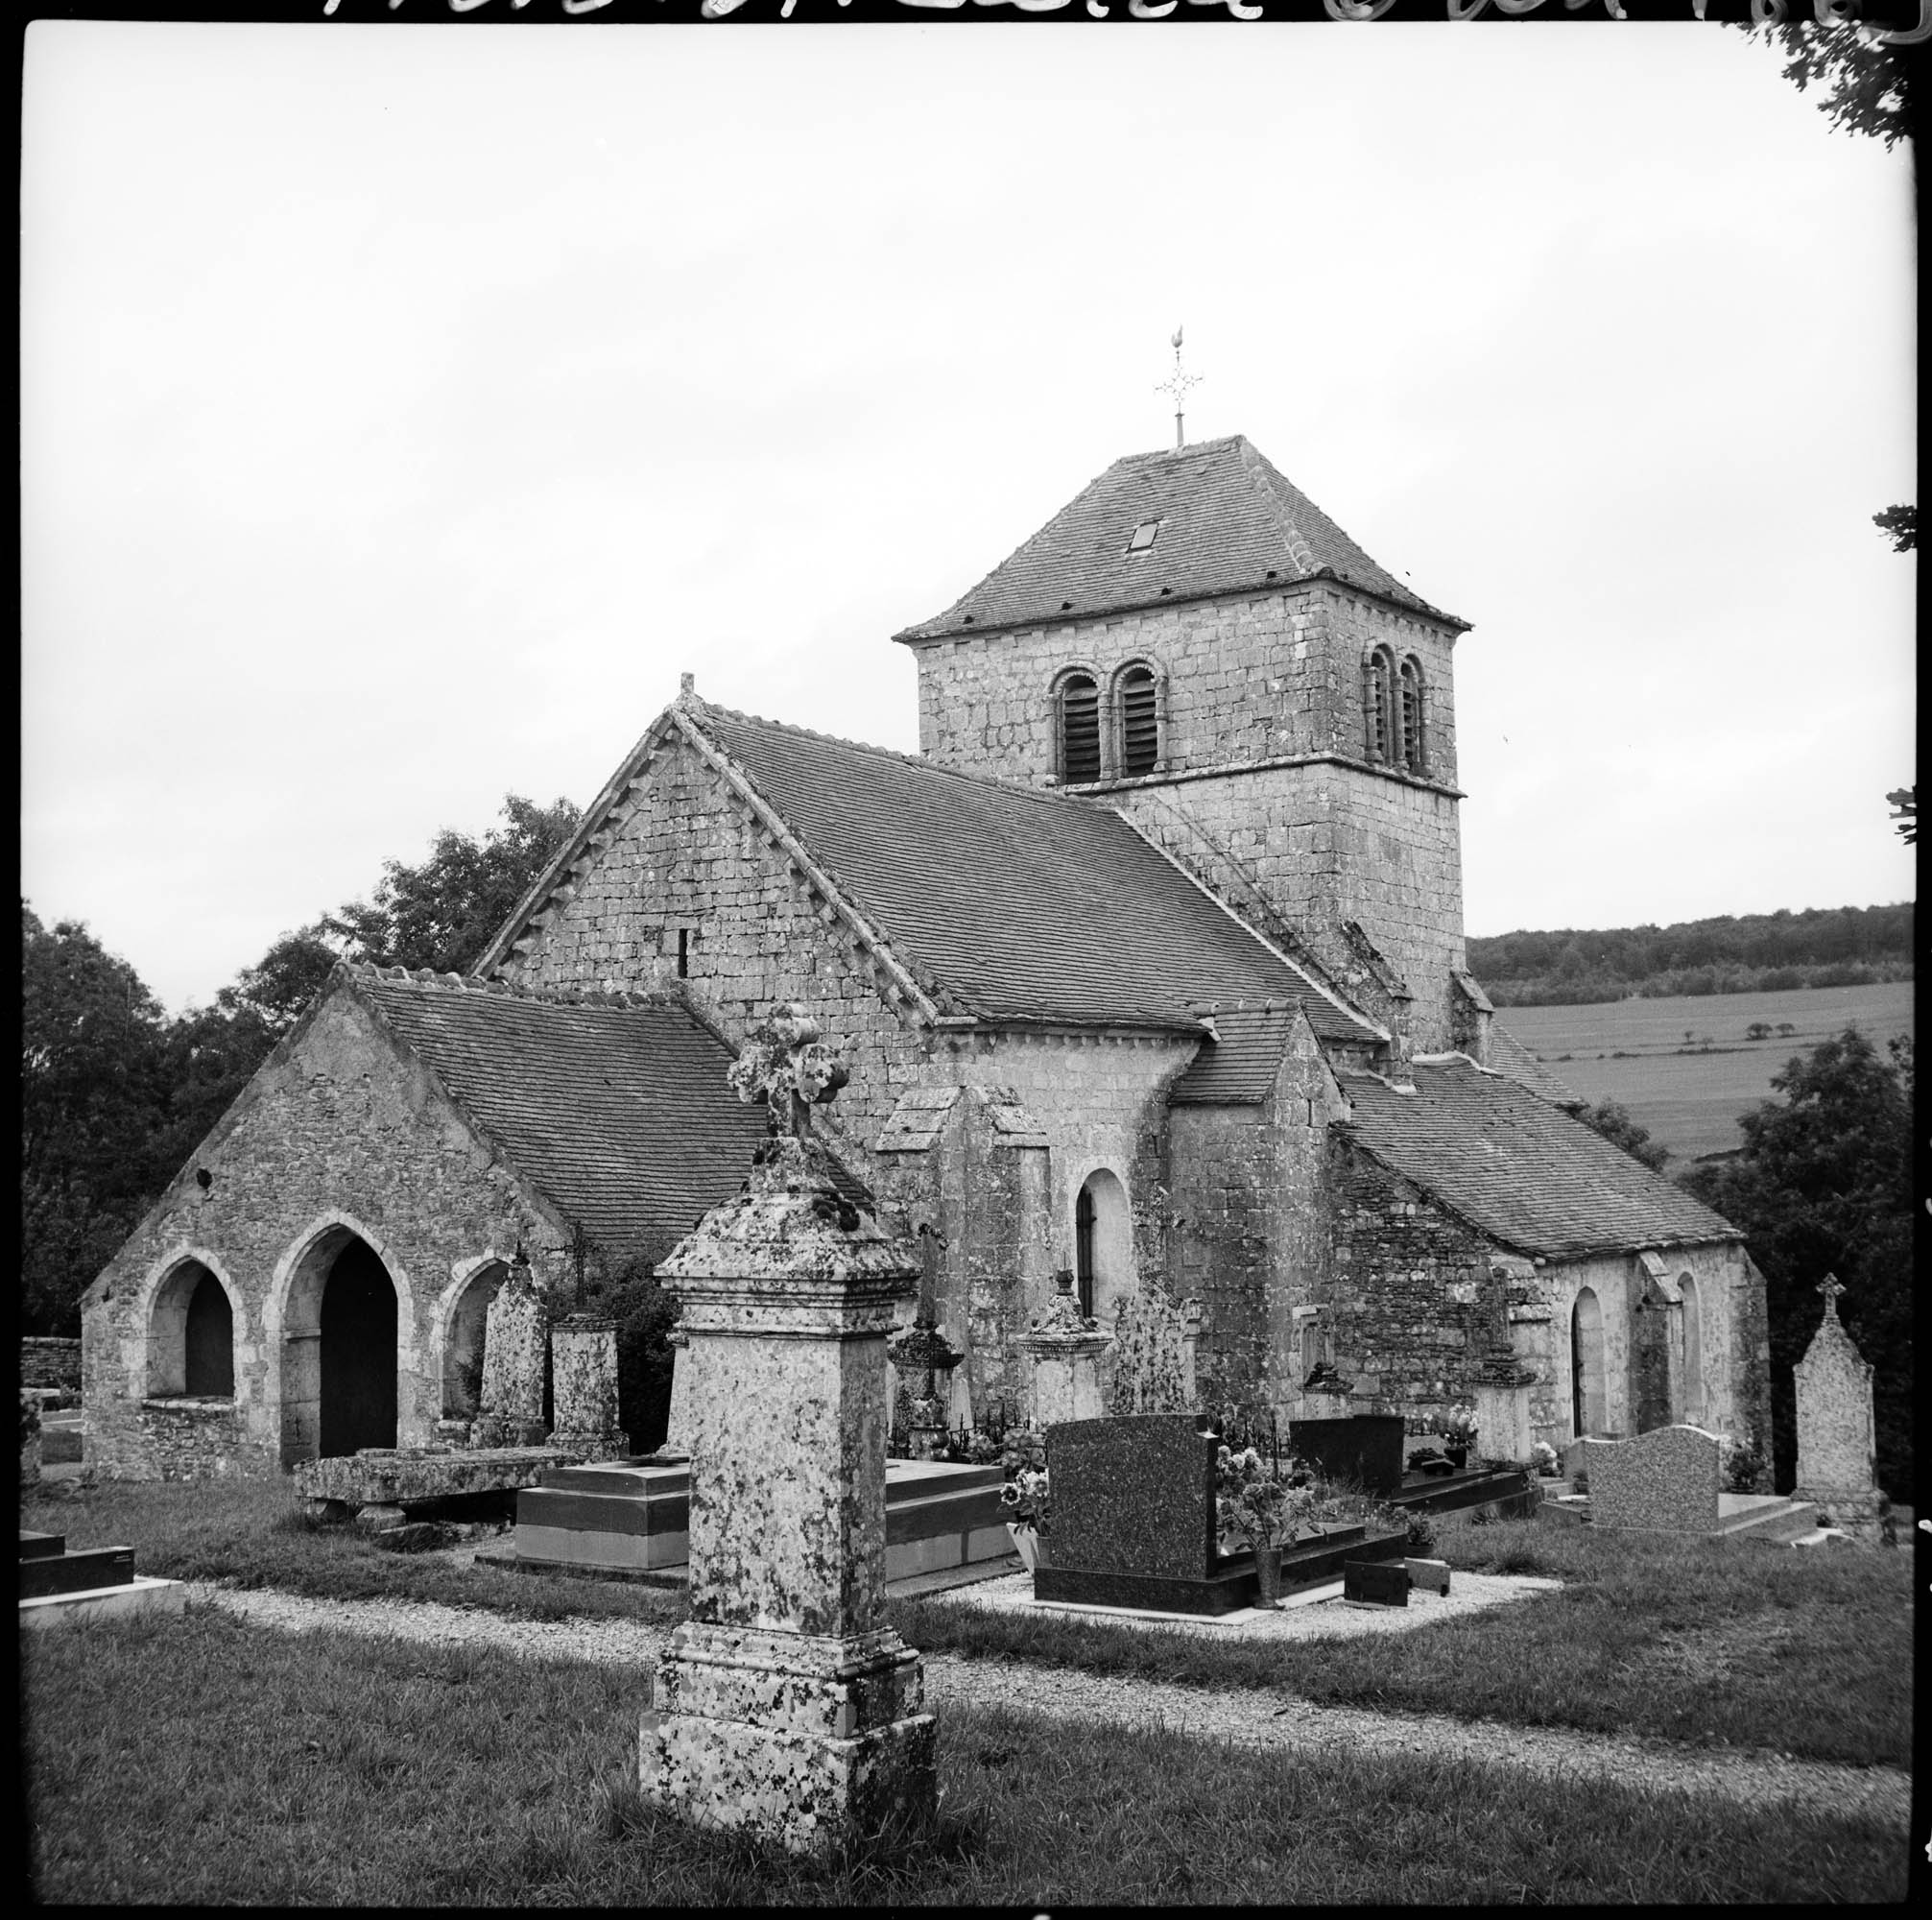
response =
{"points": [[1749, 953]]}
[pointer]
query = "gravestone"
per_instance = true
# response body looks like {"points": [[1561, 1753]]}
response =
{"points": [[1375, 1583], [1365, 1447], [1837, 1468], [1431, 1575], [515, 1339], [583, 1388], [1134, 1517], [1666, 1481], [30, 1439], [784, 1704]]}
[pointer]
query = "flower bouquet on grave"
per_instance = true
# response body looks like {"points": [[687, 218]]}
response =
{"points": [[1459, 1434], [1546, 1456], [1028, 1500]]}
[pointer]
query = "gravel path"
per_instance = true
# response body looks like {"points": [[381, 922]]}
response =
{"points": [[1266, 1721]]}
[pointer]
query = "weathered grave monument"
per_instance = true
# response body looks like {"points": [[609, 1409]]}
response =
{"points": [[516, 1333], [1836, 1457], [784, 1705]]}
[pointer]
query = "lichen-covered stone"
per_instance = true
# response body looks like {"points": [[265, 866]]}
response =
{"points": [[584, 1387], [784, 1705], [517, 1331], [1837, 1462], [1666, 1481], [384, 1478]]}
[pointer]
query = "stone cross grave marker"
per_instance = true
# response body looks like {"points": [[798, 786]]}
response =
{"points": [[784, 1704], [1836, 1456], [1666, 1481], [515, 1338]]}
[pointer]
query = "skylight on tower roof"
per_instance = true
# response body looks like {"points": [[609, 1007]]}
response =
{"points": [[1143, 537]]}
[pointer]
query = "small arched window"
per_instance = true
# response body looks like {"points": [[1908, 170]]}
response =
{"points": [[1079, 729], [1139, 722], [1409, 716]]}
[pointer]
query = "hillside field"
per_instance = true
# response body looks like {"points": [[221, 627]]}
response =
{"points": [[1626, 1050]]}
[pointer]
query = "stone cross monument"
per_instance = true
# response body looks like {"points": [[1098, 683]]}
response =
{"points": [[784, 1704], [516, 1340], [1836, 1468]]}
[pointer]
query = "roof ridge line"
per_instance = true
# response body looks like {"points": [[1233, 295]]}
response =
{"points": [[1262, 473], [557, 994], [1051, 795]]}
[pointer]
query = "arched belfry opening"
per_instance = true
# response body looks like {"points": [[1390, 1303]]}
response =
{"points": [[1102, 1244], [1588, 1412], [339, 1351], [191, 1336]]}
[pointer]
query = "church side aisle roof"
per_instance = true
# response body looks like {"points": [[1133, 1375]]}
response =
{"points": [[614, 1106], [1516, 1167], [1229, 522], [1016, 904]]}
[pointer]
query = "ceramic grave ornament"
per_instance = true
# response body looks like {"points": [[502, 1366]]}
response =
{"points": [[785, 1705]]}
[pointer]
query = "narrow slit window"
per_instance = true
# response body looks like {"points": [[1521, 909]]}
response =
{"points": [[1140, 723], [1079, 730], [683, 953]]}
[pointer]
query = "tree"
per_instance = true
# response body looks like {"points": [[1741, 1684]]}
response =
{"points": [[1868, 86], [1824, 1184], [92, 1086], [441, 913], [1900, 526], [1613, 1120]]}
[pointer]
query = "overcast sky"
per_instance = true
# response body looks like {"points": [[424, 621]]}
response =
{"points": [[403, 408]]}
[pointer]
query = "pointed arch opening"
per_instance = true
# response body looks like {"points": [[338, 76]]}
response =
{"points": [[191, 1336], [462, 1340], [341, 1329]]}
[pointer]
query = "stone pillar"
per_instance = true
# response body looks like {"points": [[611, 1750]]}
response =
{"points": [[1836, 1460], [583, 1388], [678, 1424], [1504, 1426], [1065, 1351], [515, 1339], [784, 1704]]}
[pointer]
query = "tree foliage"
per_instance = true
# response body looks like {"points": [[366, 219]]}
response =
{"points": [[1867, 88], [1824, 1184], [1760, 953], [1613, 1120], [443, 913], [116, 1096], [1900, 526]]}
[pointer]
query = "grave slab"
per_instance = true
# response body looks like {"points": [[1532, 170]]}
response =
{"points": [[143, 1594], [1375, 1583]]}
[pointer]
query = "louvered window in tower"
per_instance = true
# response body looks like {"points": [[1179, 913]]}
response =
{"points": [[1411, 711], [1375, 698], [1079, 730], [1140, 723]]}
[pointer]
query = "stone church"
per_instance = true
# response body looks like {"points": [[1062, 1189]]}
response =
{"points": [[1148, 968]]}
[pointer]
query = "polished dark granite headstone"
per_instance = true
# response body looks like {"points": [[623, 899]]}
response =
{"points": [[1134, 1495], [1365, 1447], [1133, 1518], [1379, 1584]]}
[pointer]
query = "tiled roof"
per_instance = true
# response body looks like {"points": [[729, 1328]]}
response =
{"points": [[1229, 522], [613, 1107], [1238, 1066], [1508, 1055], [1516, 1167], [1005, 902]]}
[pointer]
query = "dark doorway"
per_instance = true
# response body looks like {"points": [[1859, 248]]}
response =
{"points": [[358, 1353], [1083, 1250], [210, 1340]]}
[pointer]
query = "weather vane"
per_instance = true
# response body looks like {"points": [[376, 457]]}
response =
{"points": [[1177, 385]]}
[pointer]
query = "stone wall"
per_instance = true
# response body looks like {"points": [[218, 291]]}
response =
{"points": [[337, 1133], [51, 1362], [1249, 1188], [1413, 1301], [1247, 678]]}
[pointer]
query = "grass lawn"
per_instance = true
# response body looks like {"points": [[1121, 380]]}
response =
{"points": [[197, 1758], [1715, 1643]]}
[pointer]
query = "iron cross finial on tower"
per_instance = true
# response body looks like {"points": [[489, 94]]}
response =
{"points": [[1177, 385]]}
